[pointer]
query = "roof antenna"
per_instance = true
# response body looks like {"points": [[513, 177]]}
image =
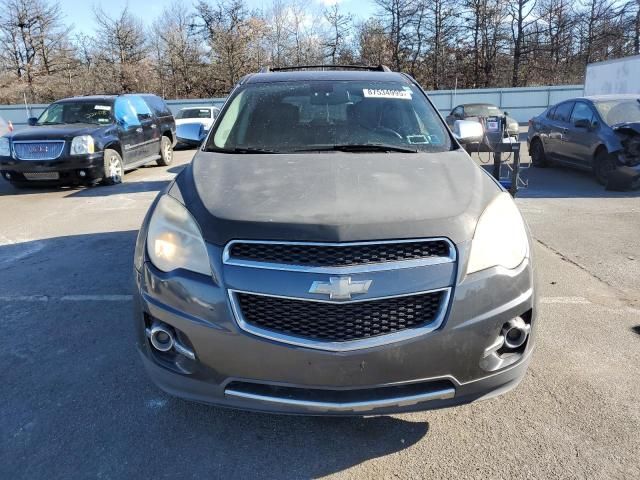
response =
{"points": [[26, 105]]}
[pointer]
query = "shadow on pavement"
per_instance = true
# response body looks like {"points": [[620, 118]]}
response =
{"points": [[73, 382], [562, 182], [177, 169], [7, 189], [123, 188], [636, 329]]}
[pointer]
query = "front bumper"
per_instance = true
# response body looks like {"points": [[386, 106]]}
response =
{"points": [[67, 166], [236, 369]]}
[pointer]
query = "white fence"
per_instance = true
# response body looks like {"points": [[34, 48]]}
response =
{"points": [[18, 114], [521, 103]]}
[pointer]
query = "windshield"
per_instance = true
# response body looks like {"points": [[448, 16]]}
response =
{"points": [[298, 116], [619, 111], [481, 110], [98, 113], [194, 113]]}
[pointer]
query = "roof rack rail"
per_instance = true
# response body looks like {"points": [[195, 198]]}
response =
{"points": [[373, 68]]}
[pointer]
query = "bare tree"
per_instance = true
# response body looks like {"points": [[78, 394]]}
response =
{"points": [[234, 37], [280, 32], [121, 47], [520, 11], [398, 18], [339, 25], [179, 55], [35, 43], [373, 43], [600, 20]]}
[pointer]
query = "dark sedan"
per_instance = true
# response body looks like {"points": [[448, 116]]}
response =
{"points": [[600, 134]]}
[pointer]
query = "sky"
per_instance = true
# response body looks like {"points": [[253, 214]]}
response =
{"points": [[80, 12]]}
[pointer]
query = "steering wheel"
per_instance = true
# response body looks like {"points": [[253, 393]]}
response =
{"points": [[388, 131]]}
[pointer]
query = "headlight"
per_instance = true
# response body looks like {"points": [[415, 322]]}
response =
{"points": [[500, 238], [5, 149], [174, 239], [82, 145]]}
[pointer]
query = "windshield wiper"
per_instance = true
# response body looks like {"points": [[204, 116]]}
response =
{"points": [[242, 150], [359, 147]]}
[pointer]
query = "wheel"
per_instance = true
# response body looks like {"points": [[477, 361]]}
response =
{"points": [[166, 152], [603, 165], [538, 157], [113, 168]]}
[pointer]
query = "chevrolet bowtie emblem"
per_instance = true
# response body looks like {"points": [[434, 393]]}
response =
{"points": [[340, 288]]}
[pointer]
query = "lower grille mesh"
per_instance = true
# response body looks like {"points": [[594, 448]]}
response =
{"points": [[339, 322]]}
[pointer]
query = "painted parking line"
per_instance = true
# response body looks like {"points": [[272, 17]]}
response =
{"points": [[565, 300], [96, 298], [66, 298]]}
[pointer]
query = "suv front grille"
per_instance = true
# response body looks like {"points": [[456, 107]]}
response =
{"points": [[45, 150], [336, 255], [340, 322]]}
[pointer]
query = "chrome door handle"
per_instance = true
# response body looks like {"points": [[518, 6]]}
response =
{"points": [[139, 129]]}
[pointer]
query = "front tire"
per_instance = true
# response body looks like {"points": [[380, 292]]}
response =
{"points": [[113, 168], [603, 165], [538, 156], [166, 152]]}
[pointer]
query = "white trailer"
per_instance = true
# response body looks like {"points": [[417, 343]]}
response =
{"points": [[613, 76]]}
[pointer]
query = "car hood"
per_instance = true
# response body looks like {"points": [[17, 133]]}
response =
{"points": [[335, 197], [51, 132], [627, 126]]}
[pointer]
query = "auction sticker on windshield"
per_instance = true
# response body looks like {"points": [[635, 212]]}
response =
{"points": [[386, 93]]}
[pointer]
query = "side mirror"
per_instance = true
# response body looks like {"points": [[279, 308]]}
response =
{"points": [[582, 123], [190, 134], [468, 131], [32, 121]]}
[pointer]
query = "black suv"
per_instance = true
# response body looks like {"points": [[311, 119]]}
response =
{"points": [[85, 140]]}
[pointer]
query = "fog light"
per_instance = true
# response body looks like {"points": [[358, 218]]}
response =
{"points": [[515, 333], [508, 346], [7, 176], [163, 339], [82, 173]]}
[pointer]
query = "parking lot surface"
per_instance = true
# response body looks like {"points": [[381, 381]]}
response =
{"points": [[76, 403]]}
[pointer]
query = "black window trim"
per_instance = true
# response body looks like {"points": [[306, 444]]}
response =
{"points": [[594, 113], [568, 120]]}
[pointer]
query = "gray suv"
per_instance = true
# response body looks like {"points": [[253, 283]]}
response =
{"points": [[331, 249]]}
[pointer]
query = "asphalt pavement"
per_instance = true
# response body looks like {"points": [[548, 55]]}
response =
{"points": [[75, 401]]}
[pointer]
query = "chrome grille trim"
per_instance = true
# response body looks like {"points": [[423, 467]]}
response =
{"points": [[341, 346], [22, 154], [357, 406], [341, 270]]}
